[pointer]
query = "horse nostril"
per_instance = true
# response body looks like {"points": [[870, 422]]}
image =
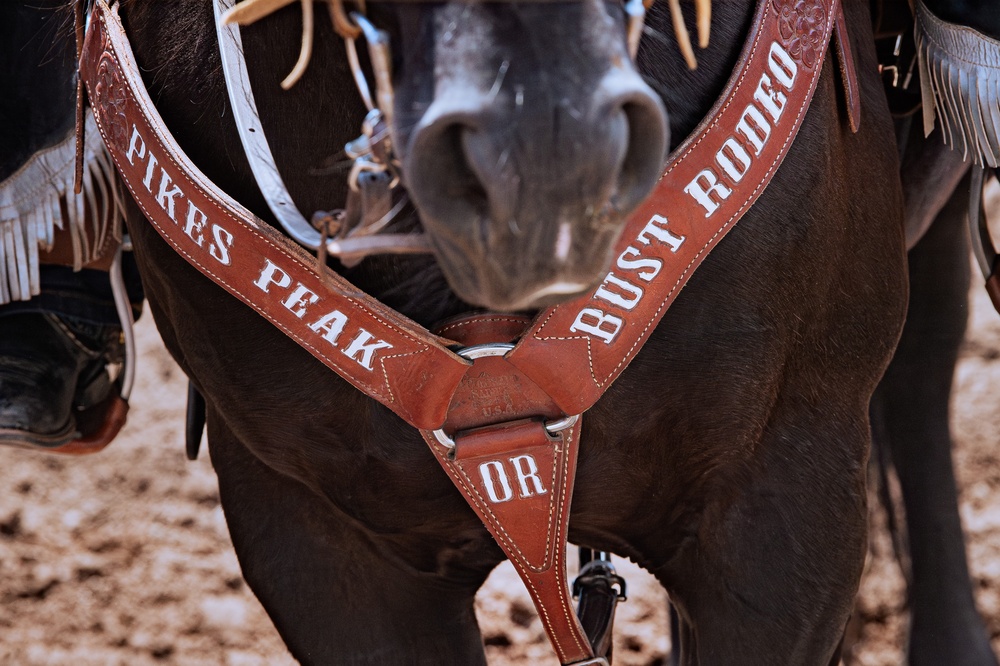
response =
{"points": [[647, 141], [495, 173], [439, 174], [486, 178]]}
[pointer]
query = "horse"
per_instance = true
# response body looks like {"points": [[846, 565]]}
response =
{"points": [[728, 459]]}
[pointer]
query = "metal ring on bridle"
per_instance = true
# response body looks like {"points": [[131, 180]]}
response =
{"points": [[498, 349]]}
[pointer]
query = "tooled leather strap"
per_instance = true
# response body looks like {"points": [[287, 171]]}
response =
{"points": [[576, 349], [381, 352]]}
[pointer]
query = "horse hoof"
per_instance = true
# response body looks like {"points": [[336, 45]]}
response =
{"points": [[54, 385]]}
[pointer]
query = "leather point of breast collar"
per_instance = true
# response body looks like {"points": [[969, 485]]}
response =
{"points": [[516, 473]]}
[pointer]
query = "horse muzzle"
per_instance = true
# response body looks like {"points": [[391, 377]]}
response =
{"points": [[524, 193]]}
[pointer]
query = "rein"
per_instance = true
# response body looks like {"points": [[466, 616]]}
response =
{"points": [[497, 399]]}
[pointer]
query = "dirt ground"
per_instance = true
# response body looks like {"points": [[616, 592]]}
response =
{"points": [[124, 558]]}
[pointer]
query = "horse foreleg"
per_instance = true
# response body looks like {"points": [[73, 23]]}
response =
{"points": [[910, 417], [332, 592], [771, 575]]}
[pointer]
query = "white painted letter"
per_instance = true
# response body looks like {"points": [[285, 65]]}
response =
{"points": [[734, 172], [526, 468], [486, 472], [136, 146], [627, 295], [594, 322], [267, 277], [220, 248], [772, 100], [704, 185], [754, 126], [654, 265], [360, 345], [661, 234], [164, 197], [150, 167], [330, 325], [195, 223], [782, 65], [299, 300]]}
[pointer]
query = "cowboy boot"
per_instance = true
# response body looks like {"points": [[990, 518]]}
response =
{"points": [[56, 391]]}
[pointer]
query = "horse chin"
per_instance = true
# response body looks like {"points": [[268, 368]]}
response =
{"points": [[517, 277]]}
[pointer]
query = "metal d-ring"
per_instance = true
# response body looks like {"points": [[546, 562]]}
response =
{"points": [[498, 349]]}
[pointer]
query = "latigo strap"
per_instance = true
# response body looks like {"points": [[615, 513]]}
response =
{"points": [[496, 413]]}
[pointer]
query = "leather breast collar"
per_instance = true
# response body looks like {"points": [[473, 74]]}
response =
{"points": [[511, 449]]}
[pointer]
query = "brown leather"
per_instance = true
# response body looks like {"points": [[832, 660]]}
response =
{"points": [[575, 350], [382, 353], [523, 497], [482, 329], [848, 74], [62, 249], [112, 414], [993, 288], [515, 475]]}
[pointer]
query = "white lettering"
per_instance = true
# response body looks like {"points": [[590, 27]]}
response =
{"points": [[330, 325], [491, 473], [136, 146], [220, 248], [526, 468], [150, 168], [299, 300], [195, 223], [625, 263], [707, 190], [782, 66], [267, 277], [627, 295], [660, 233], [595, 322], [772, 100], [360, 345], [754, 127], [165, 197], [726, 162]]}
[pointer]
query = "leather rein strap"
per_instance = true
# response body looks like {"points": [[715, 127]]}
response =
{"points": [[495, 417]]}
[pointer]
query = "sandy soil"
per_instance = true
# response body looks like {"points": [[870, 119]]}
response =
{"points": [[124, 557]]}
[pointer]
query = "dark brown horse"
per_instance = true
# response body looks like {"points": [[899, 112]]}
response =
{"points": [[729, 458]]}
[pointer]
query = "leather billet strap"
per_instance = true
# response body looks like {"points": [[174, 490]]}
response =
{"points": [[516, 475], [576, 349], [381, 352], [519, 480]]}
